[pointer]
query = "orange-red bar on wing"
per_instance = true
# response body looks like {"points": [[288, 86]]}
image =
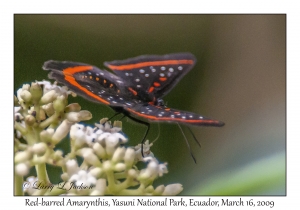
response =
{"points": [[68, 72], [150, 63]]}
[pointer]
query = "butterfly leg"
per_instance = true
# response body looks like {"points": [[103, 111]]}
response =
{"points": [[146, 133], [116, 114], [196, 140], [187, 143]]}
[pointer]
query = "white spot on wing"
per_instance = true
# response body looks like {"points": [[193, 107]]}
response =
{"points": [[142, 71], [180, 68], [153, 70], [163, 68], [146, 75], [137, 80], [162, 74], [171, 69]]}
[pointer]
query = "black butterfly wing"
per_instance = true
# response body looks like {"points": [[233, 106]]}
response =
{"points": [[153, 74], [165, 114], [89, 82]]}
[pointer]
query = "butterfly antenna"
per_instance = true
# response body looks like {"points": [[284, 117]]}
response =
{"points": [[187, 143], [196, 140], [146, 133], [157, 135]]}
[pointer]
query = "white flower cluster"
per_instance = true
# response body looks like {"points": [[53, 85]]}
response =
{"points": [[43, 118]]}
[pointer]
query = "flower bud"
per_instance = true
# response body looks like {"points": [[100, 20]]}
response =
{"points": [[16, 101], [36, 92], [118, 154], [22, 156], [59, 104], [129, 157], [91, 158], [48, 97], [120, 167], [72, 167], [39, 148], [26, 87], [78, 116], [26, 95], [111, 142], [22, 169], [107, 166], [57, 156], [46, 135], [96, 172], [99, 150], [173, 189], [30, 120], [61, 132], [149, 189], [100, 187], [74, 107], [159, 190], [132, 173], [48, 108]]}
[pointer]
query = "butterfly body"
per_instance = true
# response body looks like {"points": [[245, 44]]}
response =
{"points": [[137, 87]]}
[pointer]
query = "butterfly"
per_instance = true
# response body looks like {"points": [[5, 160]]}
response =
{"points": [[135, 89]]}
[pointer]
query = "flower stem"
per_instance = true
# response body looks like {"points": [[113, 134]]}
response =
{"points": [[42, 173], [18, 185]]}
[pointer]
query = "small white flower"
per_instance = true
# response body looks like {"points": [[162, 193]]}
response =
{"points": [[162, 169], [77, 134], [111, 143], [153, 169], [27, 185], [82, 177], [146, 151], [48, 87]]}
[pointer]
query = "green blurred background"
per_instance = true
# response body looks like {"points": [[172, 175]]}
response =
{"points": [[239, 78]]}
